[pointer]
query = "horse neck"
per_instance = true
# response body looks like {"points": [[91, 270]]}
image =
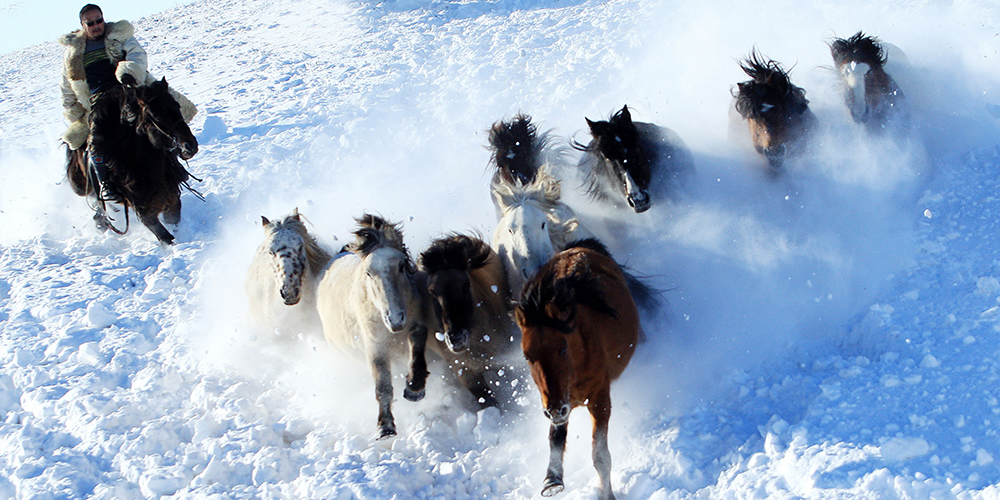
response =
{"points": [[489, 286]]}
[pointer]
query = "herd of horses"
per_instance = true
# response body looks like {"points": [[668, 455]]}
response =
{"points": [[544, 293]]}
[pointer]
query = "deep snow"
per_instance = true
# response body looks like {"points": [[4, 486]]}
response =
{"points": [[830, 334]]}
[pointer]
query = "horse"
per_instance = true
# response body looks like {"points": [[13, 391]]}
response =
{"points": [[142, 136], [777, 112], [579, 328], [517, 149], [626, 159], [369, 302], [281, 280], [534, 224], [466, 279], [871, 95]]}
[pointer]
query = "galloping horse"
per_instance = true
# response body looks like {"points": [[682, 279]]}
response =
{"points": [[467, 281], [282, 278], [534, 224], [579, 327], [141, 134], [871, 94], [628, 159], [776, 111], [370, 302]]}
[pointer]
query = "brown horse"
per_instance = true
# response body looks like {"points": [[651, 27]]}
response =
{"points": [[141, 134], [466, 279], [579, 327], [870, 93], [776, 111]]}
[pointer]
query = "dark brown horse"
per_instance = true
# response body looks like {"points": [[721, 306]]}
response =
{"points": [[776, 111], [870, 93], [467, 282], [579, 328], [141, 135], [632, 161], [517, 150]]}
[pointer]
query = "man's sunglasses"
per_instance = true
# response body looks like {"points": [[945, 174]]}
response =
{"points": [[99, 20]]}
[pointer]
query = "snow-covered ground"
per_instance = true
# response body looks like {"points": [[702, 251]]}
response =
{"points": [[834, 333]]}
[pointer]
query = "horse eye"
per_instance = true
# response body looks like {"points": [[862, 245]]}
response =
{"points": [[562, 350], [543, 225]]}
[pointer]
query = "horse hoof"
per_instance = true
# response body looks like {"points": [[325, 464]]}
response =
{"points": [[553, 486], [414, 396], [386, 431]]}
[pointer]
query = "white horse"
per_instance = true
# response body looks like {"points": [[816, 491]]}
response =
{"points": [[370, 302], [281, 281], [534, 224]]}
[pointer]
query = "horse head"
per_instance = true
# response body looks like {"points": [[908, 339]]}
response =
{"points": [[617, 143], [448, 262], [777, 111], [389, 270], [870, 94], [516, 149], [161, 120], [294, 253]]}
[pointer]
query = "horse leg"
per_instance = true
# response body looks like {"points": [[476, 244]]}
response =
{"points": [[383, 394], [557, 446], [416, 380], [600, 411], [151, 221], [172, 215], [475, 382]]}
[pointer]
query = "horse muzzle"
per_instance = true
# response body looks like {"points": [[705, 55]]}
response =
{"points": [[558, 414], [639, 201], [188, 150], [290, 297], [394, 322], [457, 340]]}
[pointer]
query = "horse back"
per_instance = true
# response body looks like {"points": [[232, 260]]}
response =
{"points": [[608, 340]]}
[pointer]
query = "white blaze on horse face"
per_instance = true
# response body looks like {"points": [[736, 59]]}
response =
{"points": [[388, 286], [854, 77], [289, 263]]}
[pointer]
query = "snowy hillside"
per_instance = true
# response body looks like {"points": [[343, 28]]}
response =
{"points": [[834, 333]]}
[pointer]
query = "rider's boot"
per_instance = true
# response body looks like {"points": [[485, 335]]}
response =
{"points": [[105, 191]]}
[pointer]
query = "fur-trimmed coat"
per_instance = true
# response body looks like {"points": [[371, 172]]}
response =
{"points": [[129, 58]]}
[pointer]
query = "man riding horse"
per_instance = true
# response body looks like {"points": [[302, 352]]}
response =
{"points": [[99, 56]]}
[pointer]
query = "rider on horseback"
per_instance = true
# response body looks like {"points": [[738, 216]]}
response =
{"points": [[98, 56]]}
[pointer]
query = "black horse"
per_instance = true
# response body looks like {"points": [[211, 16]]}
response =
{"points": [[517, 149], [142, 136], [628, 160], [777, 112]]}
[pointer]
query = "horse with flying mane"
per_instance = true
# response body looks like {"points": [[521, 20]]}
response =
{"points": [[633, 162], [871, 95], [579, 328], [140, 132], [282, 278], [370, 303], [776, 111], [467, 282]]}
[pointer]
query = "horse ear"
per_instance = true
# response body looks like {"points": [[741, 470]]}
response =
{"points": [[562, 315], [518, 316], [264, 220], [597, 128], [625, 113], [295, 214]]}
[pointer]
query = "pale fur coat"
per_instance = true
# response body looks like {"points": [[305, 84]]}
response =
{"points": [[123, 50]]}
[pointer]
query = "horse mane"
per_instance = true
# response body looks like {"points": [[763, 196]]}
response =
{"points": [[375, 232], [517, 148], [581, 287], [456, 251], [590, 244], [858, 48], [316, 255], [543, 190], [769, 82]]}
